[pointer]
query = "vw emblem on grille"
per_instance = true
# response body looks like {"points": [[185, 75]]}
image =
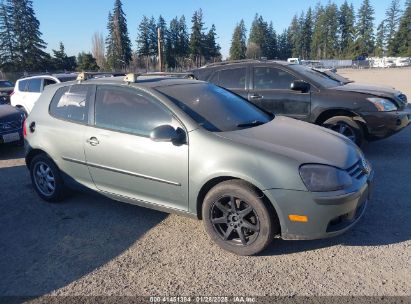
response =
{"points": [[6, 126], [365, 167]]}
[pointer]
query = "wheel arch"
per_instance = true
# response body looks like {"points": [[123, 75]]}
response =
{"points": [[327, 114], [33, 153], [217, 180]]}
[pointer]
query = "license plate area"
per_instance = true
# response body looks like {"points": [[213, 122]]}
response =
{"points": [[7, 138]]}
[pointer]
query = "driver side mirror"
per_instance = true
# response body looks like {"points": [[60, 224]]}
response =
{"points": [[167, 133], [300, 85]]}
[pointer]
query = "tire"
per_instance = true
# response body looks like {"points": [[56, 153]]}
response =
{"points": [[247, 230], [46, 179], [346, 126]]}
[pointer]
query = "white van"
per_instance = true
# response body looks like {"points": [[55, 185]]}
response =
{"points": [[28, 90], [294, 60]]}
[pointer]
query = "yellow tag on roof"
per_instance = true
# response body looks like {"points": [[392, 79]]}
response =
{"points": [[131, 77], [82, 76]]}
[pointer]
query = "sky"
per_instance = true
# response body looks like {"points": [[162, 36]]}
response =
{"points": [[74, 21]]}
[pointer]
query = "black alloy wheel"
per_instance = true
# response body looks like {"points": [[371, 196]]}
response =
{"points": [[235, 221], [238, 219]]}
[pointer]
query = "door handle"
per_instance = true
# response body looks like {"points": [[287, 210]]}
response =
{"points": [[93, 141], [256, 96]]}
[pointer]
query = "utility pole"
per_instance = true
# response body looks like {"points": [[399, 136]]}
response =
{"points": [[160, 49]]}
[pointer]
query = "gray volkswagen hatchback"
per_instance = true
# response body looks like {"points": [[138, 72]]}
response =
{"points": [[193, 148]]}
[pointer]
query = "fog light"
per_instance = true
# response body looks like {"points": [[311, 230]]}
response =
{"points": [[298, 218]]}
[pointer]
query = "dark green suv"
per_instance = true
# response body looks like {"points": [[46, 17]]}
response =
{"points": [[358, 111]]}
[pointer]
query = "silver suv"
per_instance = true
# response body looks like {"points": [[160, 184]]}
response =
{"points": [[193, 148]]}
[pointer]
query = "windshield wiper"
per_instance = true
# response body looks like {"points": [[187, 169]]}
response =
{"points": [[250, 124]]}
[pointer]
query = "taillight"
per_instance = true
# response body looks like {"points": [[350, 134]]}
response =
{"points": [[24, 128]]}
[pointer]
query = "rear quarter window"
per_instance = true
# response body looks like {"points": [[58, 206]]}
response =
{"points": [[34, 85], [22, 85], [71, 103]]}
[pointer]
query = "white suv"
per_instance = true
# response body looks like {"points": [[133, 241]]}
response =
{"points": [[29, 89]]}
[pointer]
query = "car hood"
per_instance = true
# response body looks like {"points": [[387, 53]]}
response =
{"points": [[304, 142], [377, 90], [9, 113]]}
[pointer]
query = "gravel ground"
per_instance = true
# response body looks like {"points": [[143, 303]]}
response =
{"points": [[400, 78], [90, 245]]}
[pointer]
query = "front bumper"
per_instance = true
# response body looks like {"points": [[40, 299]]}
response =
{"points": [[328, 215], [384, 124]]}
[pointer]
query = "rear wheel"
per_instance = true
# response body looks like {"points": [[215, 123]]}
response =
{"points": [[46, 178], [346, 126], [237, 219]]}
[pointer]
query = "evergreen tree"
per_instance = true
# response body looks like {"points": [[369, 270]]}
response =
{"points": [[364, 43], [197, 37], [171, 44], [319, 32], [284, 45], [183, 44], [7, 39], [346, 29], [331, 40], [238, 42], [29, 46], [86, 62], [306, 35], [295, 34], [153, 37], [118, 42], [401, 44], [380, 40], [61, 61], [272, 45], [211, 47], [392, 21], [258, 40], [143, 40]]}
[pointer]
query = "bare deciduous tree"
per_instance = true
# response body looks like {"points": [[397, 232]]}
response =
{"points": [[98, 49]]}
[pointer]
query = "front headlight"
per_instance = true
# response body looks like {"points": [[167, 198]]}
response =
{"points": [[323, 178], [383, 104]]}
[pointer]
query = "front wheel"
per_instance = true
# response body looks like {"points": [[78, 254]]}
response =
{"points": [[346, 126], [237, 219]]}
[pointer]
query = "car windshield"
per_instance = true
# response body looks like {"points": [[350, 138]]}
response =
{"points": [[318, 77], [215, 108], [6, 84]]}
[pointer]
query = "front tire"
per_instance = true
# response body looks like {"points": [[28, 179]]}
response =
{"points": [[237, 219], [346, 126], [46, 179]]}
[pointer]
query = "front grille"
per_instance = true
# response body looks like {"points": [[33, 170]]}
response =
{"points": [[402, 98], [357, 170], [10, 126]]}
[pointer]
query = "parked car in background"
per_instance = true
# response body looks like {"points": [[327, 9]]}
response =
{"points": [[402, 62], [389, 63], [194, 148], [358, 111], [11, 125], [28, 90], [6, 89]]}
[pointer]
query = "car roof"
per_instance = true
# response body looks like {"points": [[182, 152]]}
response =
{"points": [[246, 62], [55, 76], [143, 81]]}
